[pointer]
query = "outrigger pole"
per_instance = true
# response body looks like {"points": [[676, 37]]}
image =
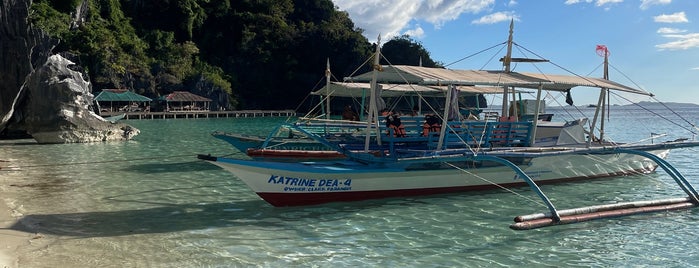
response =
{"points": [[559, 217]]}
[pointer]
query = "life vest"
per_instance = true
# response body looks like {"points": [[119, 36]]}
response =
{"points": [[431, 124], [502, 132], [393, 122]]}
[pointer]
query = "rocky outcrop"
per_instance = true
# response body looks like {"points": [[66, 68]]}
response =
{"points": [[21, 50], [40, 94], [58, 108]]}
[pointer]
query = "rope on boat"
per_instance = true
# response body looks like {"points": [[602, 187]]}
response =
{"points": [[495, 184], [659, 115], [474, 54]]}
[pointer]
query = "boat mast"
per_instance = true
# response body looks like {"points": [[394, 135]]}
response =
{"points": [[602, 96], [327, 90], [373, 114], [605, 93], [506, 63]]}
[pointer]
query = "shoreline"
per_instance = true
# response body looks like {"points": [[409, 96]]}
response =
{"points": [[10, 240], [192, 114]]}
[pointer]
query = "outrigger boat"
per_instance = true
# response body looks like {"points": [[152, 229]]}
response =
{"points": [[467, 155]]}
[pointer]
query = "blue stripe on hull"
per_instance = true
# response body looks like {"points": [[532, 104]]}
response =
{"points": [[323, 167]]}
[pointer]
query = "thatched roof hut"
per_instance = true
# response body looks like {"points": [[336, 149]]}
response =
{"points": [[183, 100]]}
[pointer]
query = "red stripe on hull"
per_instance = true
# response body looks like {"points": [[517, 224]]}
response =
{"points": [[294, 154], [305, 199]]}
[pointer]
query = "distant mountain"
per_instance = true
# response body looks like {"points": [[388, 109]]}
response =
{"points": [[649, 104]]}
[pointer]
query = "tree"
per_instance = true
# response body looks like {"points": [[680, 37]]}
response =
{"points": [[267, 53], [403, 50]]}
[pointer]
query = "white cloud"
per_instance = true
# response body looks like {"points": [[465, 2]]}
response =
{"points": [[682, 42], [600, 3], [695, 68], [496, 17], [390, 17], [511, 3], [417, 32], [680, 39], [665, 30], [645, 4], [671, 18]]}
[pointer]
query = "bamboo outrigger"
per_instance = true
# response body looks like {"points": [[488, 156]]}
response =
{"points": [[567, 216]]}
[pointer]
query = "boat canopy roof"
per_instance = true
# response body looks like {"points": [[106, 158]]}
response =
{"points": [[352, 89], [425, 76], [184, 96]]}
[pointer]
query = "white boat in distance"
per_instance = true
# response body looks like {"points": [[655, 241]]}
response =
{"points": [[489, 154]]}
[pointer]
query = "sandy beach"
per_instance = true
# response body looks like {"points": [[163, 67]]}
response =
{"points": [[10, 239]]}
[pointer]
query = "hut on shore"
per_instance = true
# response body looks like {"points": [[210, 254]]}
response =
{"points": [[121, 100], [186, 101]]}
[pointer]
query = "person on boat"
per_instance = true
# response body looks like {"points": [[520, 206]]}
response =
{"points": [[385, 112], [393, 123], [349, 114], [432, 124], [415, 110]]}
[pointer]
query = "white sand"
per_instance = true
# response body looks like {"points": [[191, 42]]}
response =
{"points": [[10, 239]]}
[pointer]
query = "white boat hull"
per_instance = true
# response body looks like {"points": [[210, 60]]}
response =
{"points": [[292, 184]]}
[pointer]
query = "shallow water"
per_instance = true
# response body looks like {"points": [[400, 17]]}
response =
{"points": [[150, 203]]}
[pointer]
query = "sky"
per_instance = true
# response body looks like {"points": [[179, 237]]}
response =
{"points": [[653, 44]]}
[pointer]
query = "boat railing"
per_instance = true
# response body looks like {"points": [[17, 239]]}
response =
{"points": [[414, 132], [484, 134]]}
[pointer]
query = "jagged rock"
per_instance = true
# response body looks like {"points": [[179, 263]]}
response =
{"points": [[41, 95], [22, 49], [58, 108]]}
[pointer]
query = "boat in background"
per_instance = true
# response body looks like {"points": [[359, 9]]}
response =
{"points": [[115, 118], [244, 142], [462, 154]]}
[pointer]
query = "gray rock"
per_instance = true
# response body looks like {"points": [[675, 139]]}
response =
{"points": [[22, 49], [58, 108], [39, 94]]}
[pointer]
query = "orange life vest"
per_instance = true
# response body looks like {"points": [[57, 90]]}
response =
{"points": [[431, 124], [393, 122]]}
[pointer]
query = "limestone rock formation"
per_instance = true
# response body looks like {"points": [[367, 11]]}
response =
{"points": [[39, 94], [58, 107]]}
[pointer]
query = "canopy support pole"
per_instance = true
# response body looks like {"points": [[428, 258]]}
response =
{"points": [[445, 118], [373, 117], [536, 114]]}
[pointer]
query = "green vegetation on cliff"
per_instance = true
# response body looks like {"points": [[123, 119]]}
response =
{"points": [[265, 54]]}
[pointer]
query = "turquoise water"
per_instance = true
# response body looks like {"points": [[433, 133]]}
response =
{"points": [[150, 203]]}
